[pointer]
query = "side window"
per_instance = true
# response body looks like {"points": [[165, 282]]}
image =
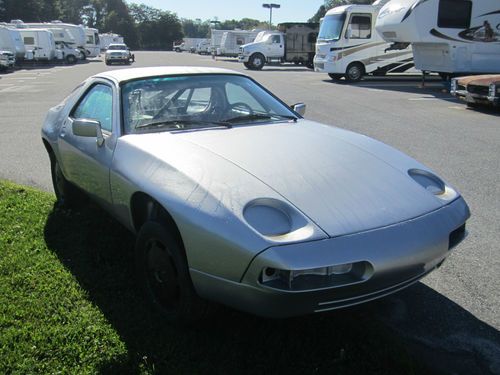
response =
{"points": [[454, 14], [97, 105], [360, 26], [276, 39]]}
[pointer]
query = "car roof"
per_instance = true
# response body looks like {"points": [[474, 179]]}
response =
{"points": [[121, 75]]}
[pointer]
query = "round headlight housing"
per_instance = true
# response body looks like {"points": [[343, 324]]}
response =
{"points": [[428, 181]]}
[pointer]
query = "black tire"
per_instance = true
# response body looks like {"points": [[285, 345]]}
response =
{"points": [[257, 61], [71, 59], [163, 273], [310, 64], [445, 76], [67, 195], [335, 77], [84, 55], [107, 63], [354, 72], [247, 65]]}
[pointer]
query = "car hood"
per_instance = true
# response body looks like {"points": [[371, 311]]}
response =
{"points": [[342, 181], [483, 80]]}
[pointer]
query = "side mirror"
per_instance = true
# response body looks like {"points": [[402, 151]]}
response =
{"points": [[300, 108], [83, 127]]}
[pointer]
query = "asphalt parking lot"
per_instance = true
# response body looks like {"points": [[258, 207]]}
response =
{"points": [[453, 315]]}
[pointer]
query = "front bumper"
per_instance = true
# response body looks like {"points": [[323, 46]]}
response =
{"points": [[243, 58], [399, 255], [118, 59], [472, 98]]}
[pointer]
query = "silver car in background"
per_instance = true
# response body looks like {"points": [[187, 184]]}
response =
{"points": [[236, 198]]}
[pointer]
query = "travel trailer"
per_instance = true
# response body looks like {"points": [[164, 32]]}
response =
{"points": [[39, 43], [349, 46], [292, 42], [450, 37], [232, 41], [92, 43], [215, 40], [11, 40], [109, 38], [77, 32]]}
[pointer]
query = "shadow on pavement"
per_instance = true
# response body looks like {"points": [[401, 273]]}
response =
{"points": [[98, 252]]}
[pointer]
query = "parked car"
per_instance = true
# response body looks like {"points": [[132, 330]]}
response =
{"points": [[118, 53], [474, 90], [236, 198]]}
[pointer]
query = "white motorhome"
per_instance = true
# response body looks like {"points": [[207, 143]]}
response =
{"points": [[232, 40], [76, 32], [349, 46], [92, 43], [39, 43], [109, 38], [447, 36]]}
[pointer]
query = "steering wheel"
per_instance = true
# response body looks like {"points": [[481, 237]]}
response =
{"points": [[240, 106]]}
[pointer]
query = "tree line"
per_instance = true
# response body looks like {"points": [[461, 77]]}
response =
{"points": [[142, 26]]}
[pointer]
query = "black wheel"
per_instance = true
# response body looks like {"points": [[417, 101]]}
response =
{"points": [[66, 194], [71, 59], [163, 272], [247, 65], [84, 55], [257, 61], [107, 63], [354, 72], [335, 77]]}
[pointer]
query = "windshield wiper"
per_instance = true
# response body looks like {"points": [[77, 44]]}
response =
{"points": [[172, 124], [259, 117]]}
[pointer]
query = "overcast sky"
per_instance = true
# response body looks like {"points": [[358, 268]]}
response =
{"points": [[290, 11]]}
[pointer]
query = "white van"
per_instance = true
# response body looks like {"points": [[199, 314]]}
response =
{"points": [[39, 43], [449, 37], [11, 40], [349, 46]]}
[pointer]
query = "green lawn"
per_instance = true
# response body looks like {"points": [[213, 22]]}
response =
{"points": [[69, 304]]}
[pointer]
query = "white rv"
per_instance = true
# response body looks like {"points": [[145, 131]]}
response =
{"points": [[349, 46], [215, 40], [232, 40], [448, 36], [92, 43], [39, 43], [77, 32], [109, 38], [10, 39]]}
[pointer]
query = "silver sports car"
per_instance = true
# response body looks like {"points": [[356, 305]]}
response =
{"points": [[235, 198]]}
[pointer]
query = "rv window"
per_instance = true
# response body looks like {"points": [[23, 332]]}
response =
{"points": [[360, 26], [29, 40], [454, 14], [240, 41]]}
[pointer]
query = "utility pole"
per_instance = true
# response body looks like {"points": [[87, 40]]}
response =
{"points": [[270, 7]]}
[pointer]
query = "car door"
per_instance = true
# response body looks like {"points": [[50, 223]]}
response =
{"points": [[86, 161], [276, 46]]}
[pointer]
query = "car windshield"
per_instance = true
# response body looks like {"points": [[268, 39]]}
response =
{"points": [[198, 101], [119, 47], [331, 27]]}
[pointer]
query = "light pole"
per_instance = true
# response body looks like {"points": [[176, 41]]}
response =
{"points": [[270, 7]]}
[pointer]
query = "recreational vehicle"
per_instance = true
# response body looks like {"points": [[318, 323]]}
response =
{"points": [[187, 44], [92, 43], [10, 39], [109, 38], [450, 37], [232, 41], [293, 42], [77, 32], [40, 44], [215, 40], [349, 46]]}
